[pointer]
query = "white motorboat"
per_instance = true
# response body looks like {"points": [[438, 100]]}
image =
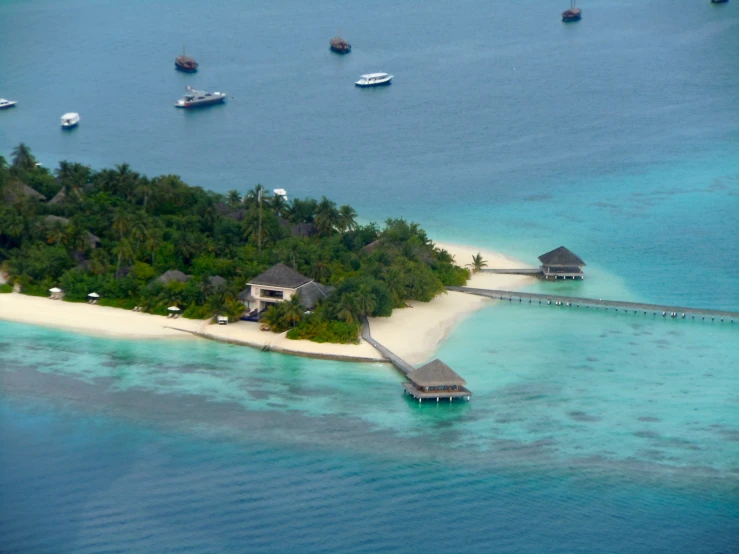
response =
{"points": [[374, 80], [7, 103], [70, 120]]}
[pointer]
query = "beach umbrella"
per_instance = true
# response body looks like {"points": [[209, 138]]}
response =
{"points": [[94, 295], [55, 289], [173, 309]]}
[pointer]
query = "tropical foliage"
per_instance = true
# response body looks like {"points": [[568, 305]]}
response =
{"points": [[115, 231]]}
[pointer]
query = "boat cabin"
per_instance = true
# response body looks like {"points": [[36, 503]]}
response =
{"points": [[436, 380], [561, 263]]}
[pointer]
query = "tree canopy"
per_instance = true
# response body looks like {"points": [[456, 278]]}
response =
{"points": [[115, 231]]}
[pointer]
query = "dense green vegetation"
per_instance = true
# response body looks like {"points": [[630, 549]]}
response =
{"points": [[115, 231]]}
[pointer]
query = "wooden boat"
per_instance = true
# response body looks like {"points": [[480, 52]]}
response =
{"points": [[339, 45], [573, 14], [185, 63]]}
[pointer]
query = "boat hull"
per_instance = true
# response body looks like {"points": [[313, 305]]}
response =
{"points": [[70, 125], [201, 104], [340, 50], [369, 85], [8, 105], [185, 69]]}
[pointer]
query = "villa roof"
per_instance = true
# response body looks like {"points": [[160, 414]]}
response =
{"points": [[173, 275], [312, 293], [216, 281], [279, 275], [15, 191], [59, 197], [561, 256], [434, 374]]}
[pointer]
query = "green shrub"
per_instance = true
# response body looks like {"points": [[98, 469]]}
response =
{"points": [[6, 288], [320, 330]]}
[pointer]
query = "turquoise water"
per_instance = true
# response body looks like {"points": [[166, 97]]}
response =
{"points": [[587, 432]]}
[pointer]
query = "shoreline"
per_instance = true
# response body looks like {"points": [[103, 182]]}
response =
{"points": [[413, 333]]}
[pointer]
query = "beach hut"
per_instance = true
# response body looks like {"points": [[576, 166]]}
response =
{"points": [[93, 298], [56, 293], [561, 263], [173, 275], [436, 380]]}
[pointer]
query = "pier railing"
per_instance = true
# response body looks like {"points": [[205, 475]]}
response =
{"points": [[675, 312]]}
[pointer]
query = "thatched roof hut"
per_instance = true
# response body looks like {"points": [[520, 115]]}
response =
{"points": [[435, 374], [216, 281], [16, 191], [312, 293], [561, 263], [59, 197], [173, 275]]}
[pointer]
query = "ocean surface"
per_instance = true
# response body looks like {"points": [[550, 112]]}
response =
{"points": [[617, 136]]}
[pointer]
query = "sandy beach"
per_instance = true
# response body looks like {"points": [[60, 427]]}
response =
{"points": [[413, 333]]}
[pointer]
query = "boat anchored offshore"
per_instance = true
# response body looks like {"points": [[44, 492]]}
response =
{"points": [[573, 14], [70, 120], [339, 45], [6, 103], [195, 98], [185, 63], [374, 80]]}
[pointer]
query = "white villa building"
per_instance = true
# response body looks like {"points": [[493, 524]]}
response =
{"points": [[280, 283]]}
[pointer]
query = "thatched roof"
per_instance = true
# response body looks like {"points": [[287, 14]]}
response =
{"points": [[216, 281], [280, 275], [312, 293], [434, 374], [303, 230], [14, 192], [52, 219], [173, 275], [59, 197], [561, 256]]}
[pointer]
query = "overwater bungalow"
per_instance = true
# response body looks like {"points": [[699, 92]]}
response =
{"points": [[436, 380], [561, 263]]}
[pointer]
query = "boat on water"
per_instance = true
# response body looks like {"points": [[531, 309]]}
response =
{"points": [[70, 120], [374, 80], [573, 14], [7, 103], [196, 98], [185, 63], [339, 45], [719, 1]]}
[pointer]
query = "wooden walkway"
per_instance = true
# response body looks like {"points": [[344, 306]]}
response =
{"points": [[398, 362], [525, 271], [675, 312]]}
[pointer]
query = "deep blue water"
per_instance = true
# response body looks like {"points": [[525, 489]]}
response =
{"points": [[616, 136]]}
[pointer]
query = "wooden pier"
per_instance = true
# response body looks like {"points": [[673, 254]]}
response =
{"points": [[674, 312], [435, 380]]}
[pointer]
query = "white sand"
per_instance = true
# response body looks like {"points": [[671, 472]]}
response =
{"points": [[413, 333]]}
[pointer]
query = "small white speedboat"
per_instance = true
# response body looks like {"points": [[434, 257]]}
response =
{"points": [[374, 80], [70, 120], [7, 103]]}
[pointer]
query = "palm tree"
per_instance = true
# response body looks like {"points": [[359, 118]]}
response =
{"points": [[327, 216], [124, 179], [99, 261], [56, 234], [22, 157], [278, 204], [124, 251], [294, 310], [121, 222], [347, 308], [444, 256], [251, 198], [144, 190], [347, 217], [139, 229], [365, 299], [233, 199], [477, 263]]}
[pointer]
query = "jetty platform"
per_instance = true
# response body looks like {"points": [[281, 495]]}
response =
{"points": [[434, 380], [674, 312]]}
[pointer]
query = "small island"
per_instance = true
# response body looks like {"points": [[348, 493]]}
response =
{"points": [[157, 245]]}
